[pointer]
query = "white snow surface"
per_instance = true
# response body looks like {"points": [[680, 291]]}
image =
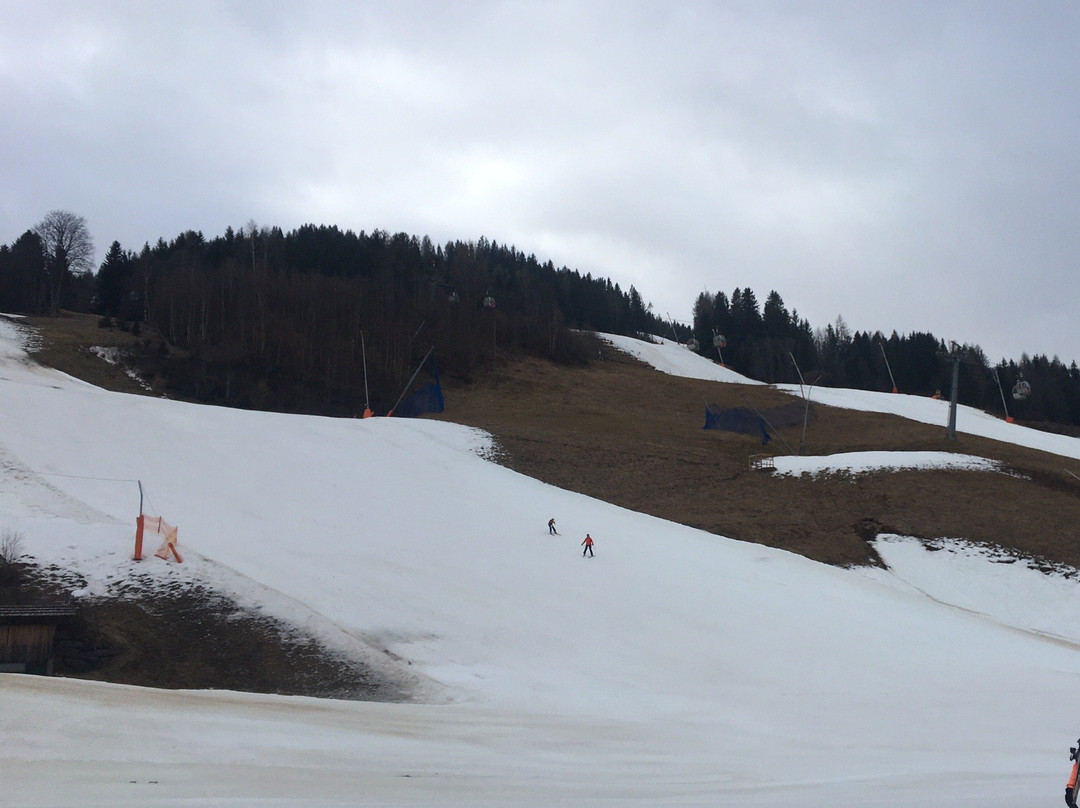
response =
{"points": [[969, 420], [674, 668], [675, 359], [867, 462]]}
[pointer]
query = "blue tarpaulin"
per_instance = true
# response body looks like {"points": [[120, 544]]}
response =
{"points": [[737, 419], [428, 398], [748, 422]]}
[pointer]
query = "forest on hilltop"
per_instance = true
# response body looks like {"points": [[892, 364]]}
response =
{"points": [[324, 320], [770, 344]]}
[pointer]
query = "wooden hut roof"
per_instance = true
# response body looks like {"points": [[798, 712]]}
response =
{"points": [[36, 614]]}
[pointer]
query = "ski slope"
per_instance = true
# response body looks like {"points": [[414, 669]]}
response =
{"points": [[672, 358], [676, 360], [674, 668]]}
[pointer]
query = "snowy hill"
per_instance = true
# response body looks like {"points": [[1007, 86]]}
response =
{"points": [[674, 668], [675, 359]]}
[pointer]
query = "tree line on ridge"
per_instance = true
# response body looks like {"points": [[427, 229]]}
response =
{"points": [[325, 320]]}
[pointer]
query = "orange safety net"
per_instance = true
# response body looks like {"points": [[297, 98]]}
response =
{"points": [[155, 524]]}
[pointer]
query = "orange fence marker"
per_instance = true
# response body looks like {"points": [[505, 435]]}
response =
{"points": [[155, 524]]}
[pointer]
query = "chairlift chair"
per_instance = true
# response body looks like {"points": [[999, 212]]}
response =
{"points": [[1021, 390]]}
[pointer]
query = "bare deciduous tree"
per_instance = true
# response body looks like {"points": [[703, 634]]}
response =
{"points": [[11, 550], [68, 248]]}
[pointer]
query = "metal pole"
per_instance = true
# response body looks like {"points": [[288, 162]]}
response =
{"points": [[797, 370], [806, 402], [1002, 394], [139, 526], [891, 379], [406, 390], [805, 419], [951, 432], [363, 353]]}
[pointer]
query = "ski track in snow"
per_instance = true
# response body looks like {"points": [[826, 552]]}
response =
{"points": [[20, 484]]}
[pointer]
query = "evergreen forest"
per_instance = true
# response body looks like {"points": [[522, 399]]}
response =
{"points": [[328, 321]]}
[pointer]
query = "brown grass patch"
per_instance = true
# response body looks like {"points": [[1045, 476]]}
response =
{"points": [[625, 433], [66, 342]]}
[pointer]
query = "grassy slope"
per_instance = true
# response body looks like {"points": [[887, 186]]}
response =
{"points": [[65, 343], [625, 433]]}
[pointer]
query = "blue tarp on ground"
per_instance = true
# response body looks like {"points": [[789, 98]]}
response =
{"points": [[737, 419], [428, 398], [748, 422]]}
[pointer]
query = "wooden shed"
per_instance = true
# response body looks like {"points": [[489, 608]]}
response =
{"points": [[27, 634]]}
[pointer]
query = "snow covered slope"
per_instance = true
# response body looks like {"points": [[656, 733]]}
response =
{"points": [[674, 668], [670, 357], [675, 359]]}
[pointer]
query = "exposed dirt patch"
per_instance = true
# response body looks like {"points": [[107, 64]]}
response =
{"points": [[179, 635], [66, 342], [625, 433]]}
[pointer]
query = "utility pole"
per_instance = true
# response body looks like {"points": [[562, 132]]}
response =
{"points": [[888, 367], [950, 434], [1008, 418], [806, 400], [367, 399]]}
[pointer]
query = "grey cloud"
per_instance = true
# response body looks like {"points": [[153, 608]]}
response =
{"points": [[909, 166]]}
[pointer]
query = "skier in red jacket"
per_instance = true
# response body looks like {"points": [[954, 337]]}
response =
{"points": [[588, 543], [1070, 786]]}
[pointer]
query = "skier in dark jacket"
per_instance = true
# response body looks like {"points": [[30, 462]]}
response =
{"points": [[1070, 786], [551, 528]]}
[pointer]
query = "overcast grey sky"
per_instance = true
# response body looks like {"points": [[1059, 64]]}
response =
{"points": [[911, 166]]}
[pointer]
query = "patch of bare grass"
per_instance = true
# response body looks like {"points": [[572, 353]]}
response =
{"points": [[625, 433], [66, 341]]}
